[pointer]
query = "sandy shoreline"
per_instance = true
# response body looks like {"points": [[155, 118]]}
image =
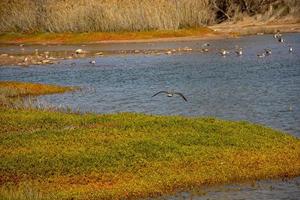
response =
{"points": [[218, 32], [50, 53], [171, 39], [250, 28]]}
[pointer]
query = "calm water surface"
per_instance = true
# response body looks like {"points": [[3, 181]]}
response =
{"points": [[262, 190], [260, 90]]}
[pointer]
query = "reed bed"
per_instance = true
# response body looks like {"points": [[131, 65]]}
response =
{"points": [[131, 15], [102, 15]]}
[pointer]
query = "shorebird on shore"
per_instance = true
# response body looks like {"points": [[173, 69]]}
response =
{"points": [[205, 45], [170, 94], [277, 35], [80, 51]]}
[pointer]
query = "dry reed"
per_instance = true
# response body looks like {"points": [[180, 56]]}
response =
{"points": [[131, 15], [102, 15]]}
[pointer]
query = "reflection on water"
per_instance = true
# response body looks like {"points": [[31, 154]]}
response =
{"points": [[265, 91]]}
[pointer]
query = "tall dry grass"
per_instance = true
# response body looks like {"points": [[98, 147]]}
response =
{"points": [[130, 15], [102, 15]]}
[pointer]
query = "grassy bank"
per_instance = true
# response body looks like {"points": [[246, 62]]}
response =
{"points": [[12, 92], [79, 38], [54, 155], [83, 21]]}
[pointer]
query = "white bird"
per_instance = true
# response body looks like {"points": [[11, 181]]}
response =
{"points": [[93, 62], [290, 49], [170, 94]]}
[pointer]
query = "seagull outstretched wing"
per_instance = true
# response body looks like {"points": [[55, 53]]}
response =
{"points": [[160, 92], [180, 94]]}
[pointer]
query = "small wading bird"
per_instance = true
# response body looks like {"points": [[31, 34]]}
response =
{"points": [[280, 39], [223, 52], [170, 94], [261, 55], [290, 49], [92, 62], [268, 52], [277, 35], [239, 51]]}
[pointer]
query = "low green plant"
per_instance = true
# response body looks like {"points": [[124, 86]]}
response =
{"points": [[55, 155], [12, 92]]}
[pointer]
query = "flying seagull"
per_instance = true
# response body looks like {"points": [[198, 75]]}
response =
{"points": [[170, 94]]}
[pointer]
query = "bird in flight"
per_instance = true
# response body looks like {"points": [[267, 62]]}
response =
{"points": [[170, 94]]}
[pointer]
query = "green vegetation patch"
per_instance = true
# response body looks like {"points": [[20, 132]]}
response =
{"points": [[15, 89], [54, 155], [11, 92]]}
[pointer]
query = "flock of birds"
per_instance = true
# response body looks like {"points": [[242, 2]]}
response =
{"points": [[224, 52], [267, 52]]}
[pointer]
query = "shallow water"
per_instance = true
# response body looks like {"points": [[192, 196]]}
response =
{"points": [[260, 90], [273, 190], [265, 91]]}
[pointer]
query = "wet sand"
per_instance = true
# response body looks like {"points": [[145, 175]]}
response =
{"points": [[37, 54]]}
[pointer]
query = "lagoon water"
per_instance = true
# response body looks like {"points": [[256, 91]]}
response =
{"points": [[260, 90]]}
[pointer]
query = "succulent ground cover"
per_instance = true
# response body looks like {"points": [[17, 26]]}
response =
{"points": [[56, 155]]}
